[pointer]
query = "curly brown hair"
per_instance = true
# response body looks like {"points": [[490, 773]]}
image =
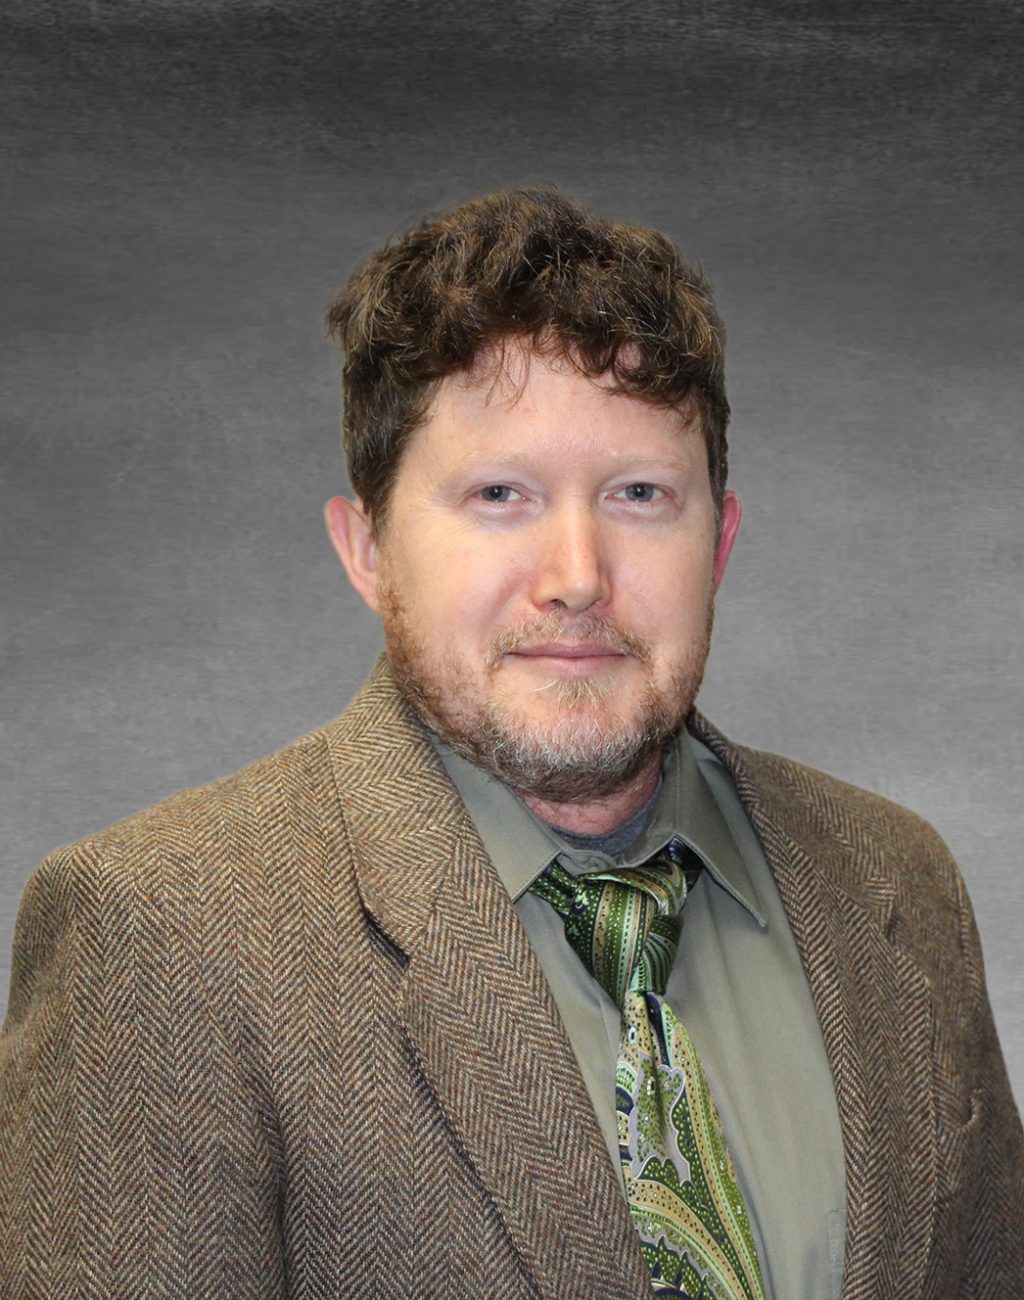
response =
{"points": [[526, 264]]}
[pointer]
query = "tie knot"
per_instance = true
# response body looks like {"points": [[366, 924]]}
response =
{"points": [[623, 925]]}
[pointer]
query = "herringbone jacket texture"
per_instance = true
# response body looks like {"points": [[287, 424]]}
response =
{"points": [[284, 1036]]}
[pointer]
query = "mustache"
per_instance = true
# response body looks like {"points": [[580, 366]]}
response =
{"points": [[584, 628]]}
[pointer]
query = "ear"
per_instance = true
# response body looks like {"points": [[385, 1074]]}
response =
{"points": [[729, 526], [352, 536]]}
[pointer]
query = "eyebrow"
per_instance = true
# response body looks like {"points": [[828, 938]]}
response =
{"points": [[500, 457]]}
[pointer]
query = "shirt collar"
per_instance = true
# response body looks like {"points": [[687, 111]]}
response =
{"points": [[521, 845]]}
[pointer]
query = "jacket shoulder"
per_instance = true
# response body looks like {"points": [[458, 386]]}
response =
{"points": [[264, 836], [826, 813], [204, 821]]}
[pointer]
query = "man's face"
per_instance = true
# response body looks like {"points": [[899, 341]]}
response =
{"points": [[546, 573]]}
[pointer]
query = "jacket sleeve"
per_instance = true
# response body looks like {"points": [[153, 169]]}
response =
{"points": [[995, 1259], [132, 1160]]}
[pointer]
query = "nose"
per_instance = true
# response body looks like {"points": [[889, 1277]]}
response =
{"points": [[571, 571]]}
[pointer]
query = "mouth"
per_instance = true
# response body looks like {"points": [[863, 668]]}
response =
{"points": [[568, 658]]}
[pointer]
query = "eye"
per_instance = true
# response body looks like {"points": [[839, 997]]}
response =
{"points": [[640, 492], [497, 493]]}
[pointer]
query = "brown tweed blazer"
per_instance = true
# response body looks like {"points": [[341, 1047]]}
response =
{"points": [[285, 1036]]}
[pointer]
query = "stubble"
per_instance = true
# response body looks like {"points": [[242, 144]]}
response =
{"points": [[589, 751]]}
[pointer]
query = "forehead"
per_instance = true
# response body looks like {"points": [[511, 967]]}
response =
{"points": [[515, 395]]}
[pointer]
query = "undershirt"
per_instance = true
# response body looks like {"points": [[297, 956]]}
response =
{"points": [[615, 842]]}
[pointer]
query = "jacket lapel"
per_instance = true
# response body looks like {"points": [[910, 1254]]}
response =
{"points": [[874, 1005], [477, 1007]]}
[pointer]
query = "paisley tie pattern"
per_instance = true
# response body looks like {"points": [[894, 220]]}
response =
{"points": [[680, 1183]]}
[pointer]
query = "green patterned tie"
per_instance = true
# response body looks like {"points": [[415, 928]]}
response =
{"points": [[680, 1183]]}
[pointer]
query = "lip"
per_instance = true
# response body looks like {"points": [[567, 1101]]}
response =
{"points": [[567, 650]]}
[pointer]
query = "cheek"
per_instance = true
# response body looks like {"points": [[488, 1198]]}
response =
{"points": [[458, 600], [671, 586], [485, 582]]}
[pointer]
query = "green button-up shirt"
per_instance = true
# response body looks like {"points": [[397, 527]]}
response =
{"points": [[737, 984]]}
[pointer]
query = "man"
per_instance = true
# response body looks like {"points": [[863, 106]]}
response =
{"points": [[519, 978]]}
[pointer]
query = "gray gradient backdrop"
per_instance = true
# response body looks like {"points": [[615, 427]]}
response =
{"points": [[189, 183]]}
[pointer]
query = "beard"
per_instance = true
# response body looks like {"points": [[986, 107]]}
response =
{"points": [[589, 750]]}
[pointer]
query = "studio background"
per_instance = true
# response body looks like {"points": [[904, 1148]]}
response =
{"points": [[187, 185]]}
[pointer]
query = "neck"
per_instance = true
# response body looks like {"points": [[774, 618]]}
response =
{"points": [[602, 815]]}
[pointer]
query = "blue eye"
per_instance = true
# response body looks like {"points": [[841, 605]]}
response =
{"points": [[640, 492], [497, 492]]}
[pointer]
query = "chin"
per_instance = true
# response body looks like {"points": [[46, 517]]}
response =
{"points": [[588, 750]]}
